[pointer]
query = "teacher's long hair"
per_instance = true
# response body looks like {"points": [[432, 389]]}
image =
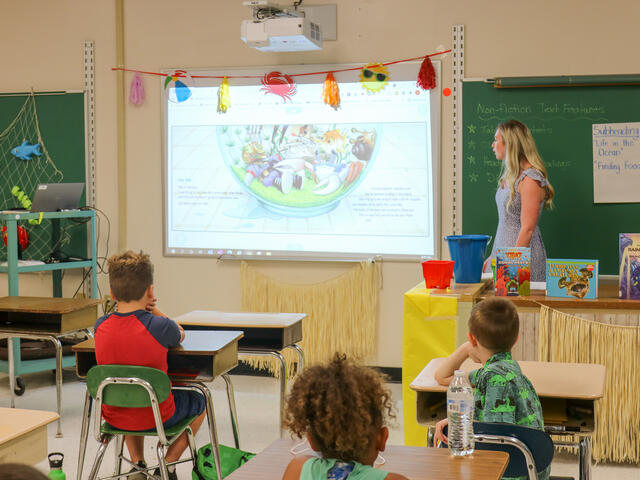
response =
{"points": [[519, 144]]}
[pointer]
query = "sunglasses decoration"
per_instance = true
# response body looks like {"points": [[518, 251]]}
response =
{"points": [[374, 77]]}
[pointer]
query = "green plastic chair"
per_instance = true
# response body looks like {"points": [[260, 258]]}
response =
{"points": [[134, 386]]}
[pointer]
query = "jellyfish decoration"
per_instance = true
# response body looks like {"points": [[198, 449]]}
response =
{"points": [[374, 77], [279, 84], [427, 75], [136, 91], [178, 86], [331, 92], [224, 96]]}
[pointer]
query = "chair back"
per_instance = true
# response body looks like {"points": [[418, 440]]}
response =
{"points": [[537, 442], [127, 393]]}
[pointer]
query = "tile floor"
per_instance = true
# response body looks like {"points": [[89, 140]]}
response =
{"points": [[257, 405]]}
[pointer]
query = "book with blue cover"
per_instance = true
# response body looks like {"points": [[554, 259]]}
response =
{"points": [[629, 280], [571, 278], [513, 271]]}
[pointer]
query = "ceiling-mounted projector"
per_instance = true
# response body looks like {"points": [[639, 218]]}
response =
{"points": [[273, 29]]}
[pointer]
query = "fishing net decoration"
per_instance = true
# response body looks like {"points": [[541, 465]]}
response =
{"points": [[27, 174]]}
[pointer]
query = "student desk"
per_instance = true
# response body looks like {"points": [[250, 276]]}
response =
{"points": [[23, 435], [200, 357], [44, 318], [560, 386], [417, 463], [265, 334]]}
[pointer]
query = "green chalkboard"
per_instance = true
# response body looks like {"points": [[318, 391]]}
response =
{"points": [[560, 120], [59, 118]]}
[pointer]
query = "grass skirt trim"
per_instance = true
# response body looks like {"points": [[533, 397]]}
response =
{"points": [[341, 312], [567, 338]]}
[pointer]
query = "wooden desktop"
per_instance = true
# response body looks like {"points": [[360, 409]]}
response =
{"points": [[417, 463]]}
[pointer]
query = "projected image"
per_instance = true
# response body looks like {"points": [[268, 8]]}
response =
{"points": [[299, 170], [297, 178]]}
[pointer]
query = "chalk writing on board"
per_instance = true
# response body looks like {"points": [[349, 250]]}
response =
{"points": [[473, 177], [616, 162]]}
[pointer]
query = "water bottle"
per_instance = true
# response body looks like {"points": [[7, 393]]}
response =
{"points": [[55, 464], [460, 413]]}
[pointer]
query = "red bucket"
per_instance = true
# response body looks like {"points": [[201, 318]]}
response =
{"points": [[437, 273]]}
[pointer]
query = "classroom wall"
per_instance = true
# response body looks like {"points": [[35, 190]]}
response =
{"points": [[42, 48]]}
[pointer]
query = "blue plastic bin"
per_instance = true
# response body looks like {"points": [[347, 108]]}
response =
{"points": [[468, 252]]}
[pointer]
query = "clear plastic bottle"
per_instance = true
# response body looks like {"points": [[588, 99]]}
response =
{"points": [[460, 413]]}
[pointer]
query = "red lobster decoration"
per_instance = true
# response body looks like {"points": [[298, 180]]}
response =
{"points": [[279, 84], [23, 237]]}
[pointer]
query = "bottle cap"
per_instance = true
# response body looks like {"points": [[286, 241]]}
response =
{"points": [[55, 459]]}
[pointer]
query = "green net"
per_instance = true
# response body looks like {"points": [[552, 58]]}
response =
{"points": [[26, 175]]}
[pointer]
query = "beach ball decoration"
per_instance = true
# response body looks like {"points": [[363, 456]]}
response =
{"points": [[178, 86], [280, 84], [331, 92], [224, 96], [374, 77]]}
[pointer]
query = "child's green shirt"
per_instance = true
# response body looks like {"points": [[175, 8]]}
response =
{"points": [[503, 394]]}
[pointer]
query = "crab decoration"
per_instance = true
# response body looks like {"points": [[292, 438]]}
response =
{"points": [[576, 285], [279, 84]]}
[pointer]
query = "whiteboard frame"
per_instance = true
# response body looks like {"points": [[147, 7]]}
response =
{"points": [[436, 132]]}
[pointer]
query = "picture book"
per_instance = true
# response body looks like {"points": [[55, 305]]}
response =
{"points": [[629, 280], [572, 278], [513, 271]]}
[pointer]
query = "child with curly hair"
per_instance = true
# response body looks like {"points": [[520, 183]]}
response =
{"points": [[341, 409]]}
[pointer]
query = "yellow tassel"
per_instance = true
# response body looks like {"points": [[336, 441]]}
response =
{"points": [[341, 312], [331, 92], [224, 97]]}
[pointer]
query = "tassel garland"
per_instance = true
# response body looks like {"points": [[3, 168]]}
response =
{"points": [[427, 75], [224, 96], [331, 92], [136, 93]]}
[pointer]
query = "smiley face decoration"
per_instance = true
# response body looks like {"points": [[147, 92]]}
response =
{"points": [[374, 77]]}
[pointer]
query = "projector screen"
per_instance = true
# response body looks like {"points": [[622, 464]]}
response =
{"points": [[282, 175]]}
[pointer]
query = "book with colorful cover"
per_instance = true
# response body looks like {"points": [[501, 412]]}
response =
{"points": [[569, 278], [513, 271], [629, 280]]}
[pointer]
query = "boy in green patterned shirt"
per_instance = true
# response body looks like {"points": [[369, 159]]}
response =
{"points": [[502, 393]]}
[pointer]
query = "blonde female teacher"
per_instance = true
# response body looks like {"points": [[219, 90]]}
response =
{"points": [[523, 192]]}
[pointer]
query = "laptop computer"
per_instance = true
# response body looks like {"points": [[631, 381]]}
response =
{"points": [[53, 197]]}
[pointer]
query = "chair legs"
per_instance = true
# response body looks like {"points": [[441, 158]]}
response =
{"points": [[104, 443]]}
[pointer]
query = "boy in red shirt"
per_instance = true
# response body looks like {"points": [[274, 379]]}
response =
{"points": [[137, 333]]}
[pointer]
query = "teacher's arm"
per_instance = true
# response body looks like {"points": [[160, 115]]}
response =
{"points": [[532, 195]]}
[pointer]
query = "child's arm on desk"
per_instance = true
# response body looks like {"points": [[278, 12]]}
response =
{"points": [[152, 308], [444, 373]]}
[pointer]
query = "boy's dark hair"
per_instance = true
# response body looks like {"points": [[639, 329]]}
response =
{"points": [[18, 471], [130, 274], [341, 406], [495, 324]]}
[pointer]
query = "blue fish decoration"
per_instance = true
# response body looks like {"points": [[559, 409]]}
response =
{"points": [[24, 151]]}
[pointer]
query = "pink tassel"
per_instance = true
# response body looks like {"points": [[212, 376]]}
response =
{"points": [[136, 95]]}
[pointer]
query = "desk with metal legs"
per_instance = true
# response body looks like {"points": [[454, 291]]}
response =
{"points": [[265, 334], [43, 318], [201, 357], [558, 385]]}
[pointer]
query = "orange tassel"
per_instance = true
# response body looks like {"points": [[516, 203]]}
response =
{"points": [[427, 75], [331, 92]]}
